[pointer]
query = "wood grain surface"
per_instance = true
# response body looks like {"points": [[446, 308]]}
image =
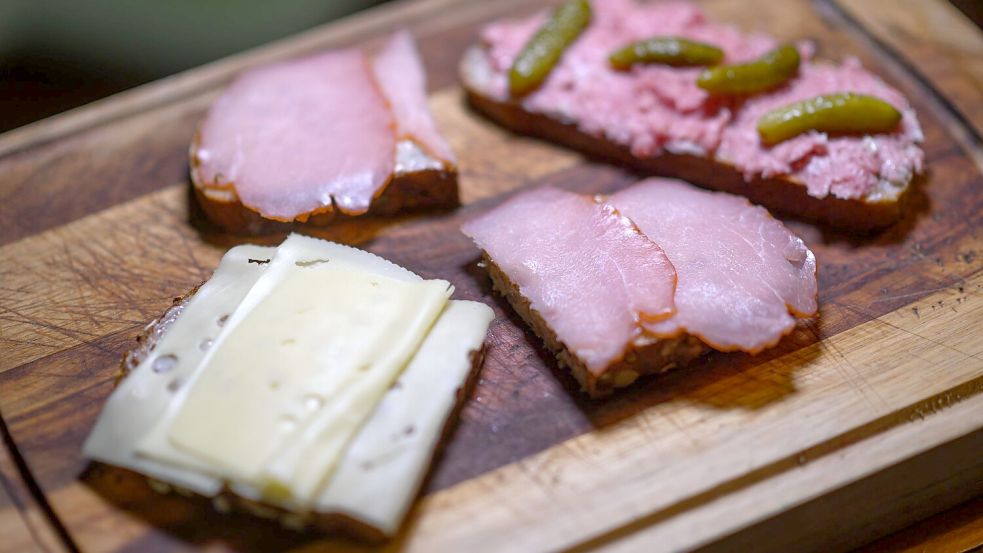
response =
{"points": [[958, 529], [934, 37], [24, 526], [860, 422]]}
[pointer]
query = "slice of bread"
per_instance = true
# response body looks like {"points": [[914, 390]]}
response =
{"points": [[229, 501], [777, 194], [419, 182], [646, 355]]}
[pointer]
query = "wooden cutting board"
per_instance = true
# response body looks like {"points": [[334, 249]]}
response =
{"points": [[860, 422]]}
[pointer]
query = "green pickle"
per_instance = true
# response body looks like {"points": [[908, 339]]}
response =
{"points": [[678, 52], [766, 72], [836, 113], [544, 49]]}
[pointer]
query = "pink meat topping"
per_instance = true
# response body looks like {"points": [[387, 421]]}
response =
{"points": [[591, 275], [401, 77], [298, 136], [742, 276], [844, 166], [317, 133], [655, 108]]}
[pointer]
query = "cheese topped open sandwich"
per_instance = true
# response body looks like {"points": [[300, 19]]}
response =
{"points": [[659, 87], [647, 279], [336, 133], [310, 382]]}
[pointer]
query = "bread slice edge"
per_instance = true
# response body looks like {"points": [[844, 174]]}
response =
{"points": [[423, 184], [643, 356]]}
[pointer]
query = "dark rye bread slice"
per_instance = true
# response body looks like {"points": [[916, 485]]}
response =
{"points": [[227, 500], [646, 355], [778, 194], [419, 182]]}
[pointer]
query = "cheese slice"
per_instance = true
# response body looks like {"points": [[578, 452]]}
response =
{"points": [[305, 462], [295, 252], [303, 370], [144, 395], [298, 369], [383, 468]]}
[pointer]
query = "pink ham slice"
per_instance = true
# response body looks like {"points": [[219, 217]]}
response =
{"points": [[298, 137], [742, 274], [591, 275], [400, 74]]}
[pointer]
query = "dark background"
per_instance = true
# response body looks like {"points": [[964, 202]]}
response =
{"points": [[60, 54]]}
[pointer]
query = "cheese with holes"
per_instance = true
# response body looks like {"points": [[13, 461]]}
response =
{"points": [[144, 395], [302, 396], [299, 374]]}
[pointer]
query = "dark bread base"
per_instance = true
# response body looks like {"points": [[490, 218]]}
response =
{"points": [[778, 194], [228, 501], [644, 356], [408, 191]]}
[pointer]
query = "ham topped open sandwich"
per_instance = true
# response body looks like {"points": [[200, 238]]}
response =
{"points": [[660, 87], [336, 133], [647, 279]]}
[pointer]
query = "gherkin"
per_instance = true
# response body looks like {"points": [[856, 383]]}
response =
{"points": [[835, 113], [674, 51], [766, 72], [543, 51]]}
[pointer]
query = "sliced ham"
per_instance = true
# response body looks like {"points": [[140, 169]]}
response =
{"points": [[298, 137], [589, 273], [401, 77], [742, 276]]}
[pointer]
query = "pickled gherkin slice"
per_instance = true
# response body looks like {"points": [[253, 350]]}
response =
{"points": [[544, 49], [834, 113], [678, 52], [768, 71]]}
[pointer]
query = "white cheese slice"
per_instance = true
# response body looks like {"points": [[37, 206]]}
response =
{"points": [[384, 466], [303, 370], [296, 251], [298, 369], [144, 395]]}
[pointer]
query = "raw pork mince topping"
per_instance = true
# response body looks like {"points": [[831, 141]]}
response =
{"points": [[656, 108]]}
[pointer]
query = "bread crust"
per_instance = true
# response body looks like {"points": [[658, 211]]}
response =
{"points": [[777, 193], [227, 500], [645, 355], [428, 185]]}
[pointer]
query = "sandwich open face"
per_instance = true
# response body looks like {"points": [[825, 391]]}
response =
{"points": [[647, 279], [659, 116], [336, 134], [312, 383]]}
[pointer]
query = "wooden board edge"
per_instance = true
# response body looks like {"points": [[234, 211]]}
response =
{"points": [[957, 529], [36, 528], [465, 516], [894, 23], [862, 493], [880, 485], [849, 15]]}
